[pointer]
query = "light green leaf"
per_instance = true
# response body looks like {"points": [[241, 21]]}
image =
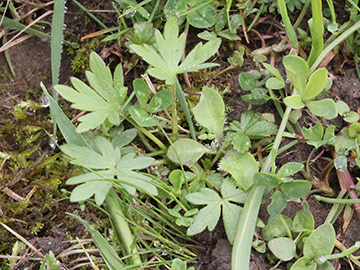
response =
{"points": [[321, 242], [87, 190], [294, 102], [207, 216], [289, 169], [351, 117], [103, 100], [297, 71], [324, 108], [275, 83], [142, 118], [202, 17], [241, 142], [283, 248], [160, 101], [273, 70], [231, 216], [241, 166], [142, 92], [342, 107], [186, 152], [303, 263], [316, 84], [210, 111], [303, 222]]}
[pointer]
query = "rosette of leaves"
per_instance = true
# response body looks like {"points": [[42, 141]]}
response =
{"points": [[164, 60], [103, 99], [251, 126], [309, 87], [104, 166]]}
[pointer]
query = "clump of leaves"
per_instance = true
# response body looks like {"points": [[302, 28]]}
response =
{"points": [[170, 47], [103, 99]]}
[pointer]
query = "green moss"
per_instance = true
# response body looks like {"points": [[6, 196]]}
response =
{"points": [[80, 62]]}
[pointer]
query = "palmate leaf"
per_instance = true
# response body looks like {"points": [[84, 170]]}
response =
{"points": [[108, 166], [102, 99], [165, 62], [210, 214]]}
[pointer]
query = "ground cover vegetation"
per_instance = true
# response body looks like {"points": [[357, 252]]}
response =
{"points": [[141, 140]]}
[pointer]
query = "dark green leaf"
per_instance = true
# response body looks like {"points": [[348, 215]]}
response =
{"points": [[296, 189], [160, 101], [321, 242], [247, 81], [283, 248], [142, 91], [142, 118], [202, 17], [278, 203], [303, 222]]}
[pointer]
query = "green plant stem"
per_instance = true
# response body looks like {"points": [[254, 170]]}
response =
{"points": [[174, 122], [336, 201], [121, 226], [302, 14], [346, 252], [242, 245], [333, 44], [92, 16], [185, 108], [219, 153], [156, 6], [288, 27], [316, 32]]}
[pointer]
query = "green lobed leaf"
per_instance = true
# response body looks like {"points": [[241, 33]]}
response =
{"points": [[241, 142], [314, 134], [210, 111], [321, 242], [85, 191], [231, 216], [283, 248], [207, 216], [241, 166], [186, 152]]}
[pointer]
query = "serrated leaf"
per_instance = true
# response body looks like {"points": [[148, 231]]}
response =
{"points": [[210, 111], [186, 152], [321, 242], [241, 167], [283, 248], [241, 142], [202, 17]]}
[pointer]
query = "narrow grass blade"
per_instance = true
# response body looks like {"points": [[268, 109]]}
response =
{"points": [[288, 27], [67, 128], [57, 27], [184, 106], [110, 257]]}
